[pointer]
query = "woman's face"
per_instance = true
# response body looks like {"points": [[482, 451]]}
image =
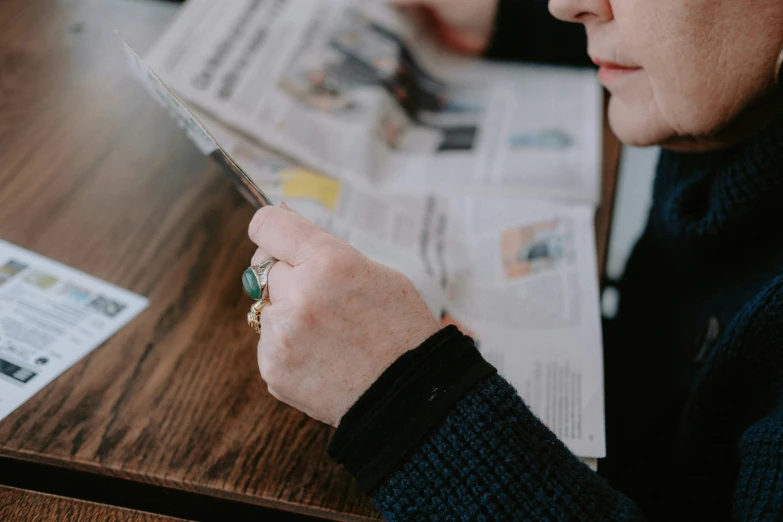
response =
{"points": [[679, 69]]}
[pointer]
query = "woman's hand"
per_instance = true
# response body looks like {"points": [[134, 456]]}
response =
{"points": [[463, 25], [336, 320]]}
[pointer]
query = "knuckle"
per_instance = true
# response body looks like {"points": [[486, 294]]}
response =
{"points": [[262, 219]]}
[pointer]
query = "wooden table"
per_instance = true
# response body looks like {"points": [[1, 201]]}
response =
{"points": [[95, 175], [603, 214], [19, 505]]}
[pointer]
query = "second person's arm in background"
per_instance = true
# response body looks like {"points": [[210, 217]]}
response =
{"points": [[509, 30], [525, 30]]}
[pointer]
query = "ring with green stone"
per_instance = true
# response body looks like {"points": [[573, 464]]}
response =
{"points": [[255, 278]]}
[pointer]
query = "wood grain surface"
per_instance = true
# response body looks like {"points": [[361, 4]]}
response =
{"points": [[612, 149], [18, 505], [95, 175]]}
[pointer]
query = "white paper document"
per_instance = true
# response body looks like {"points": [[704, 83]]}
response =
{"points": [[50, 317]]}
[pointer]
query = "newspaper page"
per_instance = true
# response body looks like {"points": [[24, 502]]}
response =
{"points": [[351, 88], [528, 294], [50, 317]]}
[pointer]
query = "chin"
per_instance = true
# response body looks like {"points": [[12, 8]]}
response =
{"points": [[638, 124]]}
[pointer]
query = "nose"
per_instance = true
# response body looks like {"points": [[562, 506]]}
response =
{"points": [[581, 11]]}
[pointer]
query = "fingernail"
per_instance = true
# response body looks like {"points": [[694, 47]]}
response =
{"points": [[285, 205]]}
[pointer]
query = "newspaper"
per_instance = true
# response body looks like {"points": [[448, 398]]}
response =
{"points": [[353, 89], [50, 317], [479, 181]]}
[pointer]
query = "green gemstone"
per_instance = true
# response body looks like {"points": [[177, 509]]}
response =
{"points": [[250, 283]]}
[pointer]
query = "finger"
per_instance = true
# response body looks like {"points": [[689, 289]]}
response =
{"points": [[268, 351], [266, 341], [280, 283], [458, 40], [259, 256], [285, 235]]}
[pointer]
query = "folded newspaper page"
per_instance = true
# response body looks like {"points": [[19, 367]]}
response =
{"points": [[194, 129], [478, 181], [353, 89], [50, 317]]}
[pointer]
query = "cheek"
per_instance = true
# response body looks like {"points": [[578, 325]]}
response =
{"points": [[704, 62], [676, 94], [693, 99], [664, 99], [635, 115], [710, 91]]}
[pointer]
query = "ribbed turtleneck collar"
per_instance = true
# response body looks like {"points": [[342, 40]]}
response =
{"points": [[718, 198]]}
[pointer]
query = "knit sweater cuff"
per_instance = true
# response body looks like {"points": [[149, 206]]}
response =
{"points": [[406, 402]]}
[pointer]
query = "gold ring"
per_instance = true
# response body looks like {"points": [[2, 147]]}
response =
{"points": [[254, 315]]}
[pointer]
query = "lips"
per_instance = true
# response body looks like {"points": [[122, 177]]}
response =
{"points": [[612, 66], [609, 71]]}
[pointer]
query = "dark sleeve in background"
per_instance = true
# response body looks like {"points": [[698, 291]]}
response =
{"points": [[526, 31]]}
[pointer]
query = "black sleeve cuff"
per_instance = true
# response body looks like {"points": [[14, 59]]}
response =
{"points": [[526, 31], [406, 402]]}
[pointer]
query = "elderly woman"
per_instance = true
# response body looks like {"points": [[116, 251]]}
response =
{"points": [[694, 359]]}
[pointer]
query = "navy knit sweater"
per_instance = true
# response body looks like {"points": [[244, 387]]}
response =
{"points": [[694, 379]]}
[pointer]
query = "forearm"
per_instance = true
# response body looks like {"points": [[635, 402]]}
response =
{"points": [[483, 451], [491, 456], [526, 31]]}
